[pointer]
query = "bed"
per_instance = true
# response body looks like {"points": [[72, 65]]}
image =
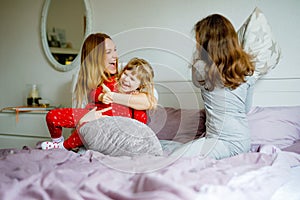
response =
{"points": [[270, 171]]}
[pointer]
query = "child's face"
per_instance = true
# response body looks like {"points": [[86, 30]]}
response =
{"points": [[110, 57], [129, 82]]}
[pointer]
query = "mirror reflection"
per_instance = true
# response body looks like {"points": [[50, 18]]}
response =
{"points": [[65, 29]]}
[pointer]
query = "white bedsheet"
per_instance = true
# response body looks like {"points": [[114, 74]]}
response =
{"points": [[289, 190]]}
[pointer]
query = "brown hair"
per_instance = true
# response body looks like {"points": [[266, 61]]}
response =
{"points": [[218, 46], [92, 69], [144, 72]]}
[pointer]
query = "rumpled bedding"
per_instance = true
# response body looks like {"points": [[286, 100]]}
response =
{"points": [[59, 174]]}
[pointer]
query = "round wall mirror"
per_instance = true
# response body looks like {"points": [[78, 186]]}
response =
{"points": [[64, 25]]}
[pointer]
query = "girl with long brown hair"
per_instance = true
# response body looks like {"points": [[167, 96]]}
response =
{"points": [[223, 71]]}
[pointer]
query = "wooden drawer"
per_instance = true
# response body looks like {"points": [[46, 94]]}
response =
{"points": [[14, 141], [28, 124], [26, 131]]}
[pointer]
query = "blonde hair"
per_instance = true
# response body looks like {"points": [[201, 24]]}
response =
{"points": [[92, 68], [144, 72], [227, 64]]}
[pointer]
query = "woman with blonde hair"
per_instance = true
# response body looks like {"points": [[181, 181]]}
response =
{"points": [[98, 73], [135, 78]]}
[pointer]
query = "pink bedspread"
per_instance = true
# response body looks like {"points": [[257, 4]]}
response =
{"points": [[59, 174]]}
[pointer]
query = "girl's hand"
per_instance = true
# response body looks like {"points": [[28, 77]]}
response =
{"points": [[93, 115], [105, 88], [107, 97], [135, 92]]}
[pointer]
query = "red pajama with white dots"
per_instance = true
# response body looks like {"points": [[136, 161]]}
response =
{"points": [[69, 117]]}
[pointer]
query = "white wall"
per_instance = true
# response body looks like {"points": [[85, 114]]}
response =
{"points": [[158, 30], [22, 60]]}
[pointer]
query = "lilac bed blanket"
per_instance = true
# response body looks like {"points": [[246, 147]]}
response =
{"points": [[59, 174]]}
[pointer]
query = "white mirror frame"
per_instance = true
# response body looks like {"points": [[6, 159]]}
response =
{"points": [[55, 64]]}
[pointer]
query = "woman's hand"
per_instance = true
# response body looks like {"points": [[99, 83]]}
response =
{"points": [[93, 115]]}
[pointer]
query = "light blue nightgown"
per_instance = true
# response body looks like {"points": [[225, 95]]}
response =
{"points": [[227, 130]]}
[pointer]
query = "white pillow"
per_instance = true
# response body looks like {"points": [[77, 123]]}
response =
{"points": [[120, 136], [256, 38]]}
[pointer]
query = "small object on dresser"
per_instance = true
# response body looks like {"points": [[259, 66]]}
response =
{"points": [[33, 97], [44, 103]]}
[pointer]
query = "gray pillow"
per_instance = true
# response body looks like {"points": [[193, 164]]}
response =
{"points": [[120, 136], [180, 125]]}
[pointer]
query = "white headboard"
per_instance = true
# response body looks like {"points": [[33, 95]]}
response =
{"points": [[267, 92]]}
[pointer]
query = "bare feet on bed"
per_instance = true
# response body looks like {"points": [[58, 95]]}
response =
{"points": [[269, 149], [52, 145]]}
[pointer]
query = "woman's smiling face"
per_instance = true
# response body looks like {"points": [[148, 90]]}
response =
{"points": [[111, 57]]}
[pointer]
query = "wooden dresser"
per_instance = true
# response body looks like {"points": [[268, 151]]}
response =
{"points": [[22, 129]]}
